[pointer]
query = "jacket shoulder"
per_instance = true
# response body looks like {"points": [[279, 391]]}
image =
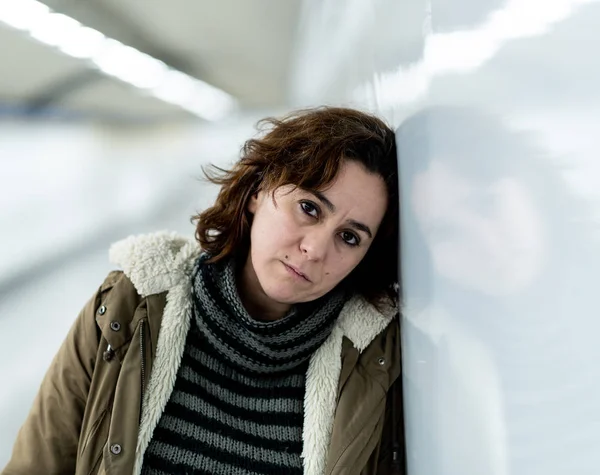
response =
{"points": [[119, 296], [118, 284], [112, 279], [116, 307], [155, 262]]}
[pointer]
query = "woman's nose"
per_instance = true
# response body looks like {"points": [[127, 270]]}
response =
{"points": [[314, 245]]}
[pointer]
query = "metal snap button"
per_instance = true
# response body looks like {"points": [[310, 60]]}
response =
{"points": [[381, 361], [115, 326], [102, 310], [108, 355], [115, 449]]}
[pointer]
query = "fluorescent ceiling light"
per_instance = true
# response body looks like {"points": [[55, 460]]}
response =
{"points": [[23, 14], [195, 96], [83, 43], [176, 88], [115, 59], [210, 98], [130, 65], [54, 29], [208, 108]]}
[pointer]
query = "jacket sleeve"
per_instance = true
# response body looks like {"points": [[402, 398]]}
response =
{"points": [[48, 440]]}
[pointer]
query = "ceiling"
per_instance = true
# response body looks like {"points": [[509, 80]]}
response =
{"points": [[242, 47]]}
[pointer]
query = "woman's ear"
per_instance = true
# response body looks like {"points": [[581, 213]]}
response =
{"points": [[253, 203]]}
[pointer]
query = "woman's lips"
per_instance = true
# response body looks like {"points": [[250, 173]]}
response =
{"points": [[296, 273]]}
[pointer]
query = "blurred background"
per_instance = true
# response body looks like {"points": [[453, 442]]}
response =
{"points": [[109, 109]]}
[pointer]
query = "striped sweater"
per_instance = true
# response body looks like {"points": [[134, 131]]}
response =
{"points": [[237, 404]]}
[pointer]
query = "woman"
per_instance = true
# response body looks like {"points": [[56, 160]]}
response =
{"points": [[500, 272], [269, 345]]}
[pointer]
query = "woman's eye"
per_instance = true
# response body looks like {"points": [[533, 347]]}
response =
{"points": [[350, 238], [310, 209]]}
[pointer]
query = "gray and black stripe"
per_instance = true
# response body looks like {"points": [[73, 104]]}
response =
{"points": [[237, 404]]}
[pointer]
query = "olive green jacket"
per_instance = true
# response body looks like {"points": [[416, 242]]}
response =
{"points": [[111, 379]]}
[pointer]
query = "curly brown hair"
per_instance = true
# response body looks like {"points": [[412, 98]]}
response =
{"points": [[306, 149]]}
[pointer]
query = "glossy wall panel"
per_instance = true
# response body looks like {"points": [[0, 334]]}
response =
{"points": [[497, 110]]}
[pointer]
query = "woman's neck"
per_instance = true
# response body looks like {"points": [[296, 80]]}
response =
{"points": [[256, 302]]}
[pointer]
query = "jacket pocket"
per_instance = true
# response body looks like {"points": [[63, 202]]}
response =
{"points": [[96, 466], [91, 452], [93, 430]]}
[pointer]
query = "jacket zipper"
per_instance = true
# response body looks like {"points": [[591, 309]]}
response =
{"points": [[143, 362]]}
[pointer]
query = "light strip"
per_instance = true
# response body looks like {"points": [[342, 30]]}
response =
{"points": [[465, 51], [117, 60]]}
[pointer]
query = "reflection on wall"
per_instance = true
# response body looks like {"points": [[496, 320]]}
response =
{"points": [[500, 272], [496, 105]]}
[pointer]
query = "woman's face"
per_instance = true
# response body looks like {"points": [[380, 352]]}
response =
{"points": [[486, 237], [303, 244]]}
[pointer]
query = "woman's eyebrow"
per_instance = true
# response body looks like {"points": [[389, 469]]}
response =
{"points": [[360, 227], [323, 199]]}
